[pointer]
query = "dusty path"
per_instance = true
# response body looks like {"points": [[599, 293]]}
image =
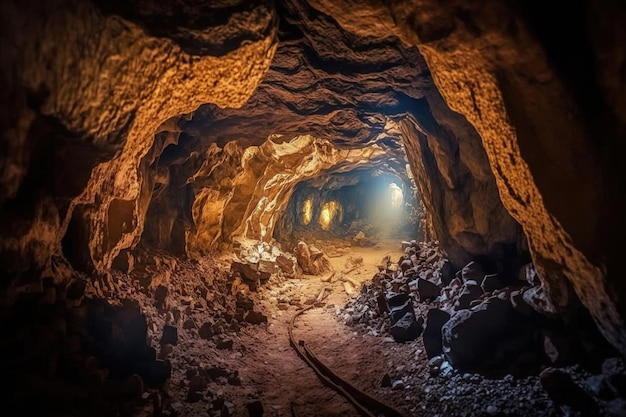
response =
{"points": [[261, 364], [241, 362], [284, 378]]}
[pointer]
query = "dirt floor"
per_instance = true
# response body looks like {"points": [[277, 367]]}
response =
{"points": [[240, 365]]}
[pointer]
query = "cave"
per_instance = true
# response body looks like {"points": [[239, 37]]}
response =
{"points": [[312, 208]]}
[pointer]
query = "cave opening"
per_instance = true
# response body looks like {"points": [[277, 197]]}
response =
{"points": [[311, 208]]}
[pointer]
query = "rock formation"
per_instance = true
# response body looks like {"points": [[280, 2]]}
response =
{"points": [[543, 94], [186, 124]]}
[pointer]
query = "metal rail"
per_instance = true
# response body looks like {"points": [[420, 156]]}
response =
{"points": [[359, 399]]}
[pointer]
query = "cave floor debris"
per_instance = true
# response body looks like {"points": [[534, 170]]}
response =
{"points": [[250, 365]]}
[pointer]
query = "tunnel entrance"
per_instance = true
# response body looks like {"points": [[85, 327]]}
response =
{"points": [[362, 206]]}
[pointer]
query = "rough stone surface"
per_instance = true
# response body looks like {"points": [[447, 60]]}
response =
{"points": [[105, 84], [522, 86], [88, 92]]}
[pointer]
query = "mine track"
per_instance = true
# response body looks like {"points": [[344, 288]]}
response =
{"points": [[361, 401]]}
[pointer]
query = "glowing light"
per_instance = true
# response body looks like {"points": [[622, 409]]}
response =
{"points": [[396, 195], [307, 211], [330, 211]]}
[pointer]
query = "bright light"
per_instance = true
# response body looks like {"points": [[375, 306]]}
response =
{"points": [[396, 195], [307, 211], [330, 210]]}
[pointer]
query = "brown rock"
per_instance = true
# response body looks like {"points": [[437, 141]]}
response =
{"points": [[206, 331], [255, 317], [170, 335]]}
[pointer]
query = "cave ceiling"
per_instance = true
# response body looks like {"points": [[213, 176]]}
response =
{"points": [[324, 82]]}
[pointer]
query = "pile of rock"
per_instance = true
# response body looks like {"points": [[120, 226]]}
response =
{"points": [[63, 352], [255, 262], [479, 318]]}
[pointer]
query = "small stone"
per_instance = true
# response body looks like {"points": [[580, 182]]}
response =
{"points": [[225, 344], [165, 351], [255, 408], [206, 331], [385, 381], [255, 317], [170, 335], [492, 410], [397, 385]]}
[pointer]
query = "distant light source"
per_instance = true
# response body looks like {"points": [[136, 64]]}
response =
{"points": [[307, 211], [396, 195], [330, 210]]}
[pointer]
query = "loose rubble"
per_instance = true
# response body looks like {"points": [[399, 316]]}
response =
{"points": [[488, 334]]}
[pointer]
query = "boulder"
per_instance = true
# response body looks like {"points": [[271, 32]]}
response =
{"points": [[472, 271], [170, 335], [427, 290], [435, 319], [491, 335], [249, 271], [407, 328], [564, 391], [469, 292], [491, 283]]}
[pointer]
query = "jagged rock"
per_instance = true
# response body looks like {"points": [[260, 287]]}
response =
{"points": [[435, 319], [407, 328], [563, 390], [197, 385], [489, 335], [519, 304], [447, 273], [285, 264], [491, 283], [206, 331], [427, 290], [256, 317], [255, 408], [536, 298], [312, 262], [527, 273], [250, 272], [469, 292], [557, 347], [224, 344], [160, 297], [170, 335], [472, 271]]}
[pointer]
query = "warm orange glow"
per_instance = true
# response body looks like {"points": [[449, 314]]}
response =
{"points": [[396, 195], [307, 211], [330, 210]]}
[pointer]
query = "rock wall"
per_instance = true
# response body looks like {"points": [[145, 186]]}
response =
{"points": [[452, 173], [84, 91], [243, 191], [543, 93]]}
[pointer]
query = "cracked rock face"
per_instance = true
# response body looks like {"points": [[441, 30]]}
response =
{"points": [[354, 91], [543, 94], [87, 94]]}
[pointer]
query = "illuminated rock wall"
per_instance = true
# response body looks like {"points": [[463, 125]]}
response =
{"points": [[545, 94]]}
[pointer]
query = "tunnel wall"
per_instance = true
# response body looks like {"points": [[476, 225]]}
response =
{"points": [[545, 94], [86, 91]]}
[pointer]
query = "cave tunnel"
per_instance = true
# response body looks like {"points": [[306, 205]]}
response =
{"points": [[312, 208]]}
